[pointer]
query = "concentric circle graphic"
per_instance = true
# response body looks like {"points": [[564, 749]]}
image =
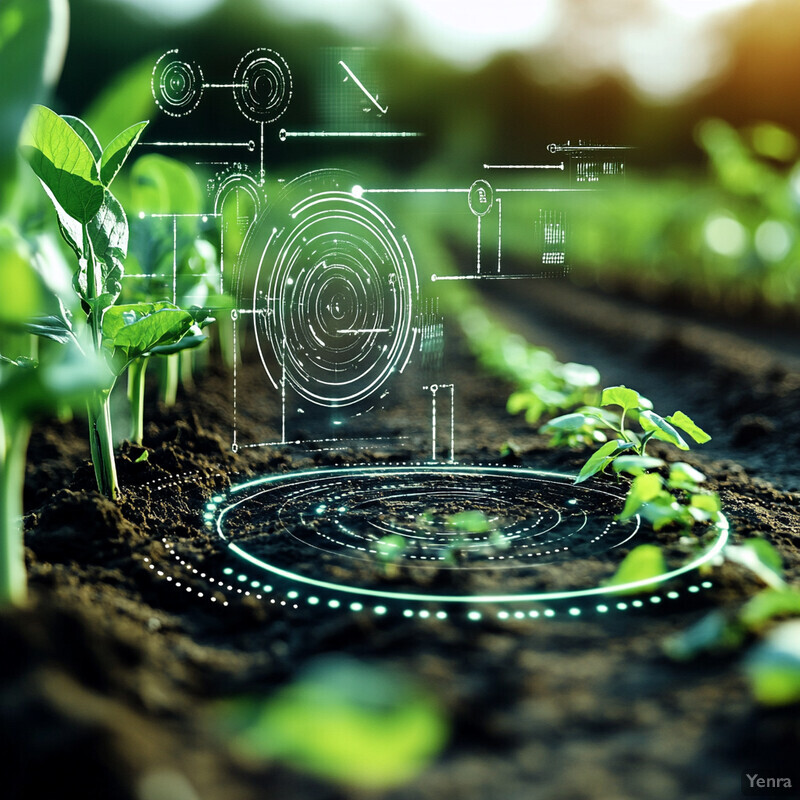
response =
{"points": [[262, 85], [335, 293], [177, 85], [390, 535]]}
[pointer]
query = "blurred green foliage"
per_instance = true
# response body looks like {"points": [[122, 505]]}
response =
{"points": [[728, 240], [342, 720]]}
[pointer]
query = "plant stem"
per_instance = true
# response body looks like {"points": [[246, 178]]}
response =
{"points": [[100, 437], [169, 382], [13, 447], [102, 443], [136, 382], [187, 368], [224, 329]]}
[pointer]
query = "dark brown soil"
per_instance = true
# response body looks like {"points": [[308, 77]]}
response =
{"points": [[109, 674]]}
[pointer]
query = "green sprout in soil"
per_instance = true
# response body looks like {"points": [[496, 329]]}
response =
{"points": [[170, 255], [134, 333], [27, 391], [76, 174], [674, 499], [772, 662], [543, 384]]}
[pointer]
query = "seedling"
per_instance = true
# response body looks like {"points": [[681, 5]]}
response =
{"points": [[76, 174], [133, 333], [673, 500], [544, 384], [170, 254], [27, 391], [772, 665]]}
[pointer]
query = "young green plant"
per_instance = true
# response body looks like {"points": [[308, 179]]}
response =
{"points": [[76, 173], [676, 499], [133, 333]]}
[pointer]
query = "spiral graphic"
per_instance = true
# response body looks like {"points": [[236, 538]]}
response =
{"points": [[177, 85], [335, 294], [262, 85]]}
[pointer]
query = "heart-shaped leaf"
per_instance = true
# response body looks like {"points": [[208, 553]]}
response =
{"points": [[63, 162]]}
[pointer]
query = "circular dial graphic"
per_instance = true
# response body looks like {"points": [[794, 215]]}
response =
{"points": [[262, 85], [335, 294], [177, 85]]}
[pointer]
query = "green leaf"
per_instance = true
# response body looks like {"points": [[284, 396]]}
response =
{"points": [[19, 280], [117, 152], [55, 327], [608, 418], [344, 721], [761, 558], [636, 465], [684, 476], [661, 429], [773, 666], [664, 510], [135, 329], [680, 420], [769, 604], [470, 521], [63, 162], [567, 422], [620, 396], [600, 459], [86, 133], [644, 488], [519, 401], [579, 375], [706, 502], [188, 342], [108, 232], [640, 565], [534, 411]]}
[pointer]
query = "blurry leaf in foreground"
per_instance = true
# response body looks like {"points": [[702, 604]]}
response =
{"points": [[23, 295], [33, 42], [773, 666], [761, 558], [341, 720], [769, 604], [643, 562]]}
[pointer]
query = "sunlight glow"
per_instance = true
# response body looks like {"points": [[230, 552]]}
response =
{"points": [[698, 9], [470, 32], [174, 11]]}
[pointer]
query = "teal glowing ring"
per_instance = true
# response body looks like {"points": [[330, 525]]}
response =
{"points": [[721, 526]]}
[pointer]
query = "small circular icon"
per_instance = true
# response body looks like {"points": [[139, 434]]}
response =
{"points": [[480, 198], [177, 85], [262, 85]]}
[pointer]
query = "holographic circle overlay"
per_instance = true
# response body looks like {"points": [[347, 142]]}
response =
{"points": [[262, 85], [177, 85], [387, 540], [334, 299]]}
